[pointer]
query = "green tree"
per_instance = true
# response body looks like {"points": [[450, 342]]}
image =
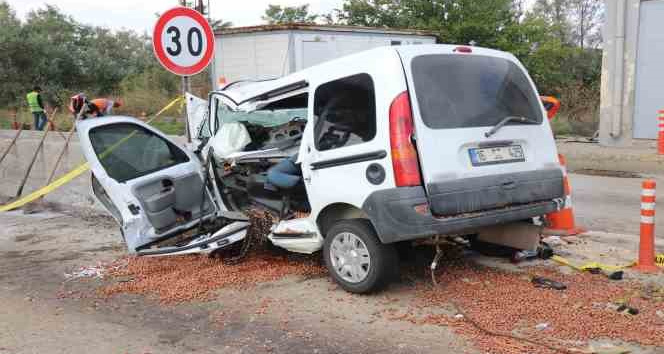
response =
{"points": [[586, 17], [455, 21], [54, 51], [14, 56], [554, 39], [371, 13], [219, 24], [556, 14], [275, 14]]}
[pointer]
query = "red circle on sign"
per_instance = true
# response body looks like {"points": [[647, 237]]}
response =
{"points": [[159, 48]]}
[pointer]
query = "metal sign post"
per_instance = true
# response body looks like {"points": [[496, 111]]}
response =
{"points": [[183, 42], [186, 88]]}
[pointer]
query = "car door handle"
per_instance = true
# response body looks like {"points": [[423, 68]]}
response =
{"points": [[509, 185], [134, 209]]}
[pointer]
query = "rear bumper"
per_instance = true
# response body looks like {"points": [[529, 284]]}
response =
{"points": [[392, 212], [474, 194]]}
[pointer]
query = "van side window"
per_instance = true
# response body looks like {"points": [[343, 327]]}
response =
{"points": [[128, 151], [345, 112]]}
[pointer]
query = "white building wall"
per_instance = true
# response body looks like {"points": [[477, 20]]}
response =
{"points": [[263, 55], [339, 44], [250, 56]]}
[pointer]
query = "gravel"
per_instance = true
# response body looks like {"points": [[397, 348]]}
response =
{"points": [[498, 301], [505, 302], [178, 279], [195, 278]]}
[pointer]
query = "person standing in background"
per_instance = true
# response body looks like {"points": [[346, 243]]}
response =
{"points": [[36, 108]]}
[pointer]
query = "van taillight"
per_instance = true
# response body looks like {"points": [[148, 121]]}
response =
{"points": [[463, 49], [404, 156]]}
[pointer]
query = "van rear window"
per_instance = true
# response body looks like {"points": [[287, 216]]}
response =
{"points": [[464, 91]]}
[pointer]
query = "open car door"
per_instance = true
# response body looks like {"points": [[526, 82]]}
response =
{"points": [[153, 188], [197, 116]]}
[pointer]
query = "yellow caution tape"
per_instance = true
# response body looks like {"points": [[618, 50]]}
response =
{"points": [[591, 265], [48, 189], [166, 108], [659, 260], [66, 178]]}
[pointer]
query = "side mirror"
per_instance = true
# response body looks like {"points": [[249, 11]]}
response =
{"points": [[551, 105]]}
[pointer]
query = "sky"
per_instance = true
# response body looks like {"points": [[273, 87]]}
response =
{"points": [[139, 15]]}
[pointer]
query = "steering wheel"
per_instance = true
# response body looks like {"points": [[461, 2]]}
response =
{"points": [[297, 119]]}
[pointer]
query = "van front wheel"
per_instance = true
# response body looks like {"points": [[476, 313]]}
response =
{"points": [[356, 259]]}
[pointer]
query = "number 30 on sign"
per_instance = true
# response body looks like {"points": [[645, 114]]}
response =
{"points": [[183, 41]]}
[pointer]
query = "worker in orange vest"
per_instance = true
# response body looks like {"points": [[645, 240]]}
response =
{"points": [[103, 106]]}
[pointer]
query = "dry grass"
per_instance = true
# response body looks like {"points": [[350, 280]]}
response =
{"points": [[63, 121]]}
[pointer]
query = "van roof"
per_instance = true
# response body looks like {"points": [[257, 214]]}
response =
{"points": [[241, 91]]}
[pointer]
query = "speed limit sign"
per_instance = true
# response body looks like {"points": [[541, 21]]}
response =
{"points": [[183, 41]]}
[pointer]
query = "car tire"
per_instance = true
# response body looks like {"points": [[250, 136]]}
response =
{"points": [[353, 243]]}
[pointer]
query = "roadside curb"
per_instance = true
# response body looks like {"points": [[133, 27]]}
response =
{"points": [[620, 237], [641, 158]]}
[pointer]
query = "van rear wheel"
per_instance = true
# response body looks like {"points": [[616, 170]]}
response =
{"points": [[356, 259]]}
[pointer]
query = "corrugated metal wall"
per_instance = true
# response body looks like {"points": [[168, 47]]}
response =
{"points": [[262, 55], [312, 48], [251, 55]]}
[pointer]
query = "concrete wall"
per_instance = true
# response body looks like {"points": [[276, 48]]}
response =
{"points": [[632, 38], [74, 195], [77, 193], [620, 32]]}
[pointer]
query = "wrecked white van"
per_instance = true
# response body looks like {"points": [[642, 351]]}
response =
{"points": [[352, 156]]}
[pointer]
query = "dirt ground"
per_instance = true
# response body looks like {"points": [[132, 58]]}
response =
{"points": [[43, 311], [40, 311]]}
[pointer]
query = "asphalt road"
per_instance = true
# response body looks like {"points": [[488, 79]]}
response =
{"points": [[612, 204]]}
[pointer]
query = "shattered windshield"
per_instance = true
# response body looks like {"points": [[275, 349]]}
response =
{"points": [[271, 114], [262, 117]]}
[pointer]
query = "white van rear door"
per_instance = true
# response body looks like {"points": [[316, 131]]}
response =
{"points": [[458, 94]]}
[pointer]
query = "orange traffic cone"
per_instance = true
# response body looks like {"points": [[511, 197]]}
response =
{"points": [[647, 241], [562, 222], [660, 136]]}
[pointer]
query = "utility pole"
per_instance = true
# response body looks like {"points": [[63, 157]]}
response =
{"points": [[186, 87], [186, 84]]}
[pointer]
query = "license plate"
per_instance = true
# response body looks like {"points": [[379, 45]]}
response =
{"points": [[494, 155]]}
